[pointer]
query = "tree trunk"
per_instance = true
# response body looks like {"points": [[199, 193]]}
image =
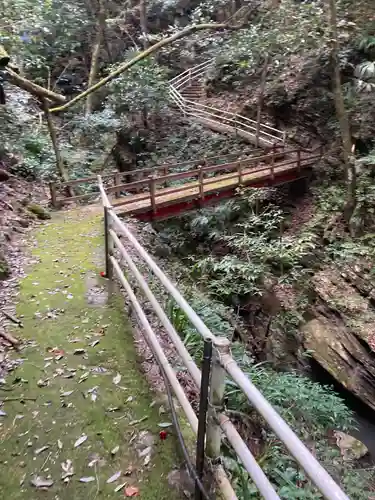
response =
{"points": [[143, 22], [260, 98], [59, 160], [95, 54], [342, 116]]}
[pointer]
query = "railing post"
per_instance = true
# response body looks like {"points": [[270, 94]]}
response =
{"points": [[52, 188], [299, 160], [273, 167], [165, 172], [201, 184], [218, 376], [108, 245], [152, 186], [202, 417], [240, 176], [117, 181]]}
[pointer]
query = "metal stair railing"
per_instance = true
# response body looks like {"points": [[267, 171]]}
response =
{"points": [[241, 125]]}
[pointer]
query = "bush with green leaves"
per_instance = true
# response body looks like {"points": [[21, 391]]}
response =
{"points": [[256, 251]]}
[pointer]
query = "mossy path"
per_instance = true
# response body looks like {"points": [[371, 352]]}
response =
{"points": [[78, 347]]}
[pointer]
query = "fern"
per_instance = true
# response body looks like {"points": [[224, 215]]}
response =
{"points": [[366, 70], [367, 43]]}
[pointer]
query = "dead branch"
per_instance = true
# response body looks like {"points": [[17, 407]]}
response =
{"points": [[12, 318], [9, 338], [33, 88]]}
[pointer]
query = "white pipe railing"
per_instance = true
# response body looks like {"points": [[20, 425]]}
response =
{"points": [[303, 456], [239, 124]]}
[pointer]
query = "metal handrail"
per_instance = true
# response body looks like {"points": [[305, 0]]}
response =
{"points": [[315, 471], [241, 124]]}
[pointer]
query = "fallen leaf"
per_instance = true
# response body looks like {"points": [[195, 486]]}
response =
{"points": [[68, 469], [2, 413], [114, 478], [79, 351], [134, 422], [41, 482], [40, 450], [115, 450], [113, 408], [83, 377], [163, 435], [117, 379], [59, 444], [80, 440], [163, 425], [131, 491], [87, 479], [67, 393], [42, 383], [120, 486], [94, 343]]}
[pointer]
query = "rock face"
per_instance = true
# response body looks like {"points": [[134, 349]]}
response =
{"points": [[341, 334]]}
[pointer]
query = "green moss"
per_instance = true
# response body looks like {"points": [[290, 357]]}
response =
{"points": [[67, 249], [39, 211]]}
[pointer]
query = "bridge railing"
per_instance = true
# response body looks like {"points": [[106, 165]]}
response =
{"points": [[241, 125], [218, 424], [236, 172]]}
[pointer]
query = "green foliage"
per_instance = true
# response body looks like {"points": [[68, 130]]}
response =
{"points": [[36, 33], [141, 87], [255, 250], [311, 409]]}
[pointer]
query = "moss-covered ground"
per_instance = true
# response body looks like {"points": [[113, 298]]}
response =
{"points": [[74, 391]]}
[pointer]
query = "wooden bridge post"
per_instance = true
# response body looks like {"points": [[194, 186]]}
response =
{"points": [[240, 173], [52, 188], [117, 181], [165, 172], [299, 160], [152, 186], [201, 184]]}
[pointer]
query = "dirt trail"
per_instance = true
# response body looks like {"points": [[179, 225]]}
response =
{"points": [[93, 414]]}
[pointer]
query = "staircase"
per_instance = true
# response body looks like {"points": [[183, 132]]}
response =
{"points": [[187, 89]]}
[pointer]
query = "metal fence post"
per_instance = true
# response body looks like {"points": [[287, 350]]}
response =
{"points": [[202, 417], [108, 245], [218, 376]]}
